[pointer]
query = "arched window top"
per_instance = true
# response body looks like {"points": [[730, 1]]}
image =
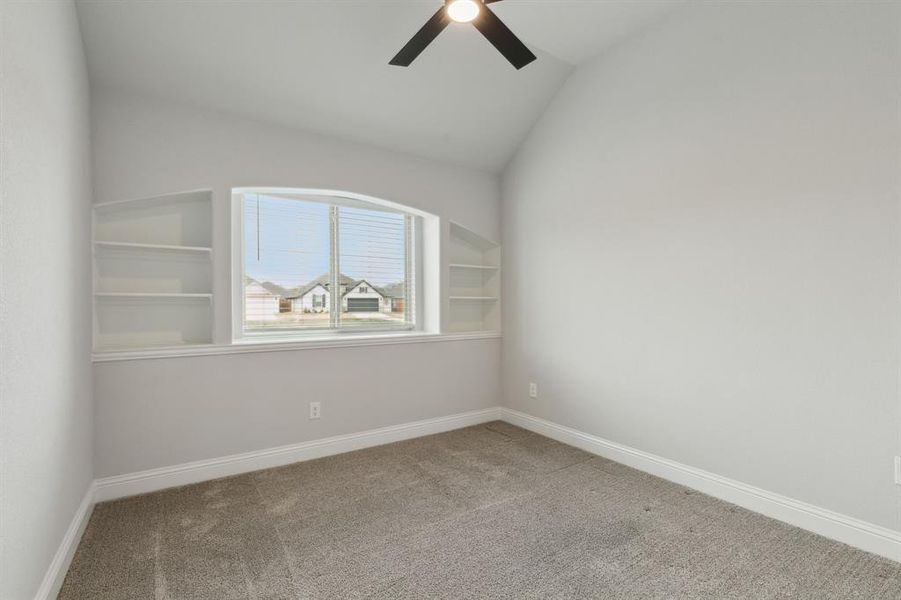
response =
{"points": [[328, 196]]}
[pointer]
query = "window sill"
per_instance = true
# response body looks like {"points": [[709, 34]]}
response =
{"points": [[250, 346]]}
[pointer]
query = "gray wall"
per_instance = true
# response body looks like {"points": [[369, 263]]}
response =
{"points": [[45, 314], [720, 195], [169, 411], [155, 413]]}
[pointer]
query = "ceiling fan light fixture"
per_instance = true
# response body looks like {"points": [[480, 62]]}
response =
{"points": [[463, 11], [481, 17]]}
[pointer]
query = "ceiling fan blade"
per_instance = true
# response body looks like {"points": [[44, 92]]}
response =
{"points": [[423, 38], [489, 1], [503, 39]]}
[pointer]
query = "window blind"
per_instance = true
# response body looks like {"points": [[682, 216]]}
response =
{"points": [[310, 264], [372, 257]]}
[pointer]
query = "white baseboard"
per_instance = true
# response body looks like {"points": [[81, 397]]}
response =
{"points": [[59, 566], [120, 486], [863, 535], [851, 531]]}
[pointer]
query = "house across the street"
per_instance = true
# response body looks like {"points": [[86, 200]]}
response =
{"points": [[260, 304], [264, 301]]}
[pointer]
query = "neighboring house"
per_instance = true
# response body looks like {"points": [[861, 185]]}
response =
{"points": [[357, 295], [312, 299], [265, 300], [260, 304], [364, 297], [284, 296], [395, 294]]}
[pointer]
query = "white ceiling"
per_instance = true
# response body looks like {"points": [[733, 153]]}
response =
{"points": [[322, 65], [578, 30]]}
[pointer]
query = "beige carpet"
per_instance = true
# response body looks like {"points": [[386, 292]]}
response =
{"points": [[485, 512]]}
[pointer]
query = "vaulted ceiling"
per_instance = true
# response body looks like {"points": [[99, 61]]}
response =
{"points": [[322, 65]]}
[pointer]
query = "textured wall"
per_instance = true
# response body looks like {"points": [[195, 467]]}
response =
{"points": [[720, 194], [45, 293]]}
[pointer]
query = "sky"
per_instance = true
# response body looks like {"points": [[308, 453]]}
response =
{"points": [[289, 243]]}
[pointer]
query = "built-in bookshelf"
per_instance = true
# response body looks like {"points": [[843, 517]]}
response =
{"points": [[153, 271], [474, 282]]}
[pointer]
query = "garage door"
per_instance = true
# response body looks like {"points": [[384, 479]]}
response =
{"points": [[362, 305]]}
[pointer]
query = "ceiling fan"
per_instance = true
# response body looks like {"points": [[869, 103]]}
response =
{"points": [[467, 11]]}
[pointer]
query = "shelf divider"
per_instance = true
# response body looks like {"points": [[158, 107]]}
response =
{"points": [[481, 267], [153, 295], [475, 298], [153, 247]]}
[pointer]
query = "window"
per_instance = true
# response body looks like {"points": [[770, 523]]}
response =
{"points": [[325, 263]]}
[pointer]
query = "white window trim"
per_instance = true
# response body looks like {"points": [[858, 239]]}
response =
{"points": [[423, 296], [258, 346]]}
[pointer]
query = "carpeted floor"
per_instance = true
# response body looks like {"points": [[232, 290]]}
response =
{"points": [[490, 511]]}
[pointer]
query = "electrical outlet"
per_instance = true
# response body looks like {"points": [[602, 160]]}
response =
{"points": [[315, 410], [533, 390], [898, 470]]}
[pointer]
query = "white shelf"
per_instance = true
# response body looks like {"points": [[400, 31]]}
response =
{"points": [[481, 267], [153, 271], [153, 247], [474, 284], [138, 203], [153, 296]]}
